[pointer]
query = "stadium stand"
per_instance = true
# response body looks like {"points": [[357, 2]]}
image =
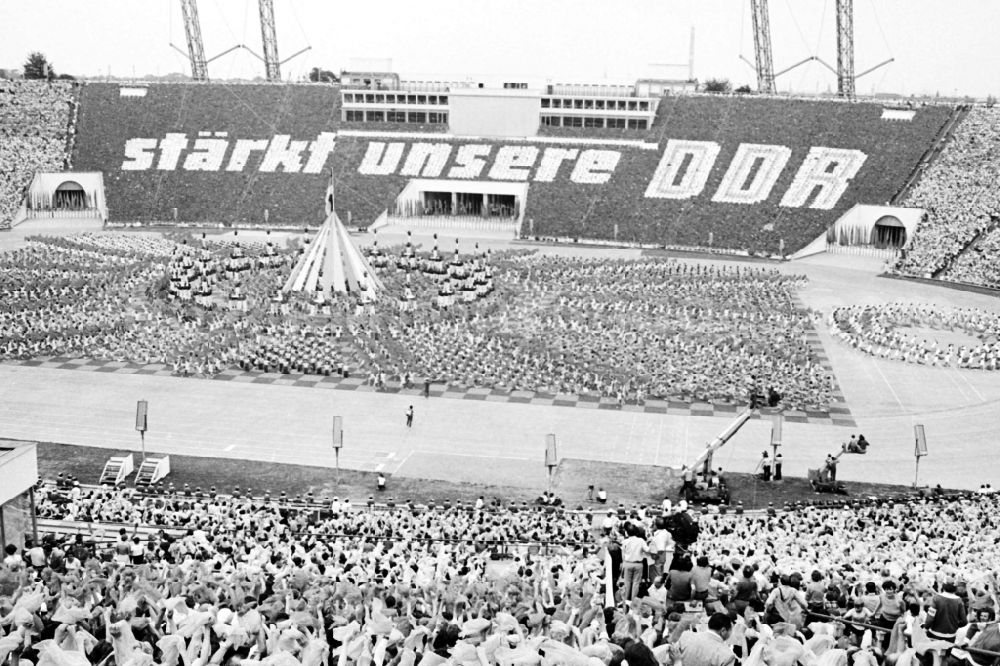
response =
{"points": [[35, 132], [238, 191], [564, 207], [962, 201], [565, 199], [977, 264], [219, 579]]}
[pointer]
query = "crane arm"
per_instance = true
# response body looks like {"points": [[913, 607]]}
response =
{"points": [[721, 439]]}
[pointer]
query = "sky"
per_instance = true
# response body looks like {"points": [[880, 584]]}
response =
{"points": [[939, 47]]}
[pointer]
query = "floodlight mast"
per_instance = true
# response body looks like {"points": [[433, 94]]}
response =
{"points": [[845, 48], [196, 48], [764, 63], [268, 37]]}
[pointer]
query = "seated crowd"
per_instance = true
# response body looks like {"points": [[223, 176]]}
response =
{"points": [[240, 580], [978, 264], [875, 330], [960, 195], [34, 133], [626, 330]]}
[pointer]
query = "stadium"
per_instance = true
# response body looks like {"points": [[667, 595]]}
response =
{"points": [[496, 370]]}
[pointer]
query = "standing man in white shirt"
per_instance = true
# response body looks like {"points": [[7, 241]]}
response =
{"points": [[634, 551], [662, 549]]}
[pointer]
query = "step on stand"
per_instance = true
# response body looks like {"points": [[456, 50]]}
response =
{"points": [[117, 469], [152, 470]]}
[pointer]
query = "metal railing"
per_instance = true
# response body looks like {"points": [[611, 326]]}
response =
{"points": [[875, 627]]}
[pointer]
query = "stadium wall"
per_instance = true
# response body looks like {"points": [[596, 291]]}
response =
{"points": [[746, 172]]}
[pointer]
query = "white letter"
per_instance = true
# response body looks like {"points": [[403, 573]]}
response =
{"points": [[319, 151], [737, 185], [552, 159], [241, 152], [683, 170], [284, 153], [513, 162], [139, 154], [381, 160], [830, 170], [170, 151], [595, 166], [212, 152], [429, 157], [468, 162]]}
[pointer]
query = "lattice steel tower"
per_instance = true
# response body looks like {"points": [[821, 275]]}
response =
{"points": [[845, 48], [272, 65], [764, 63], [196, 49]]}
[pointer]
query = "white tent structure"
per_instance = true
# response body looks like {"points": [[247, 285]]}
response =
{"points": [[333, 265]]}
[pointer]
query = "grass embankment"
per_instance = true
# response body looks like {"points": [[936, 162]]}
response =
{"points": [[628, 484]]}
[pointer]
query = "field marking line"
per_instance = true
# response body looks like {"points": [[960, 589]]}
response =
{"points": [[895, 396], [969, 384], [659, 440], [402, 462]]}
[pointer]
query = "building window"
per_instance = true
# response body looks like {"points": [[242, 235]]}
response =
{"points": [[631, 106], [616, 123], [435, 118], [572, 121], [644, 106], [577, 103], [375, 116], [355, 116], [545, 103], [588, 104], [443, 100], [395, 116], [599, 104], [348, 98], [421, 99], [418, 117]]}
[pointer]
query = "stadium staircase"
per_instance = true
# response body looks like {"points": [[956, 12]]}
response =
{"points": [[958, 114], [152, 470], [117, 469]]}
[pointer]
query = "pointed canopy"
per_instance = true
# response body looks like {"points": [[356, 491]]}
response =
{"points": [[333, 264]]}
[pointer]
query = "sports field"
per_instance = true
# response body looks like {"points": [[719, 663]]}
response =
{"points": [[485, 438]]}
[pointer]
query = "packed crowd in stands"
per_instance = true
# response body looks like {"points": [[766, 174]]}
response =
{"points": [[962, 201], [630, 330], [34, 134], [876, 330], [978, 264], [238, 580]]}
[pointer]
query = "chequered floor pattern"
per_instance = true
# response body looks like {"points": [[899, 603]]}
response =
{"points": [[839, 413]]}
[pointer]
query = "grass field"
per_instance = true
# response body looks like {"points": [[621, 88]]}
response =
{"points": [[627, 484]]}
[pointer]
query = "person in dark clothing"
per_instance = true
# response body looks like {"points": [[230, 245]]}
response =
{"points": [[409, 417], [946, 615]]}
